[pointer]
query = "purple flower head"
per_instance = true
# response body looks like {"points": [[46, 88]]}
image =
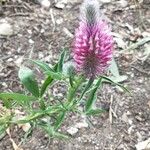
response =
{"points": [[93, 42]]}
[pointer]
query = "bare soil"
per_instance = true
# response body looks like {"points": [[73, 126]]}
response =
{"points": [[41, 33]]}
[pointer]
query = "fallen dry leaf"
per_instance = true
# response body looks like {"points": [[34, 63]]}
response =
{"points": [[15, 146]]}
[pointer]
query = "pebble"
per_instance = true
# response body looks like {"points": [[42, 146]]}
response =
{"points": [[25, 127], [29, 31], [72, 130], [41, 55], [44, 3], [105, 1], [19, 61], [144, 145], [61, 4], [59, 21], [131, 130], [123, 3], [10, 59], [6, 29], [31, 41], [80, 125]]}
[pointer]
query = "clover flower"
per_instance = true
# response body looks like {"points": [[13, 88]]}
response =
{"points": [[93, 42]]}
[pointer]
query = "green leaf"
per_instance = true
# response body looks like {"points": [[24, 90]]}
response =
{"points": [[88, 85], [29, 118], [94, 111], [46, 83], [92, 97], [60, 135], [51, 74], [107, 79], [54, 75], [42, 65], [71, 81], [27, 77], [19, 98], [61, 61], [40, 113], [59, 121], [2, 130], [73, 89], [52, 133]]}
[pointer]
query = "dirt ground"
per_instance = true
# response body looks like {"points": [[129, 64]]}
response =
{"points": [[41, 33]]}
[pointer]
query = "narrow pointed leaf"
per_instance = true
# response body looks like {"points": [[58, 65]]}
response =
{"points": [[61, 61], [95, 111], [54, 75], [106, 79], [8, 98], [3, 129], [92, 97], [60, 135], [59, 121], [89, 84], [52, 133], [46, 83], [44, 66], [71, 81]]}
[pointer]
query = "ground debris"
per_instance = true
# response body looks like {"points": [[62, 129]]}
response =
{"points": [[144, 145], [6, 29]]}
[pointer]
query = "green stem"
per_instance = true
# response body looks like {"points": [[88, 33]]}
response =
{"points": [[72, 90], [89, 84], [42, 104]]}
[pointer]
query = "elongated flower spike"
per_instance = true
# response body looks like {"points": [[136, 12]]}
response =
{"points": [[93, 42]]}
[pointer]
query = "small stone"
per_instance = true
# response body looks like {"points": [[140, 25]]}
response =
{"points": [[119, 89], [59, 21], [4, 84], [44, 3], [6, 29], [72, 130], [26, 127], [19, 61], [67, 32], [60, 5], [120, 43], [42, 31], [41, 55], [60, 95], [125, 117], [105, 1], [80, 125], [139, 118], [130, 130], [144, 145], [148, 104], [31, 41], [139, 136], [29, 31], [10, 60], [123, 3], [130, 121]]}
